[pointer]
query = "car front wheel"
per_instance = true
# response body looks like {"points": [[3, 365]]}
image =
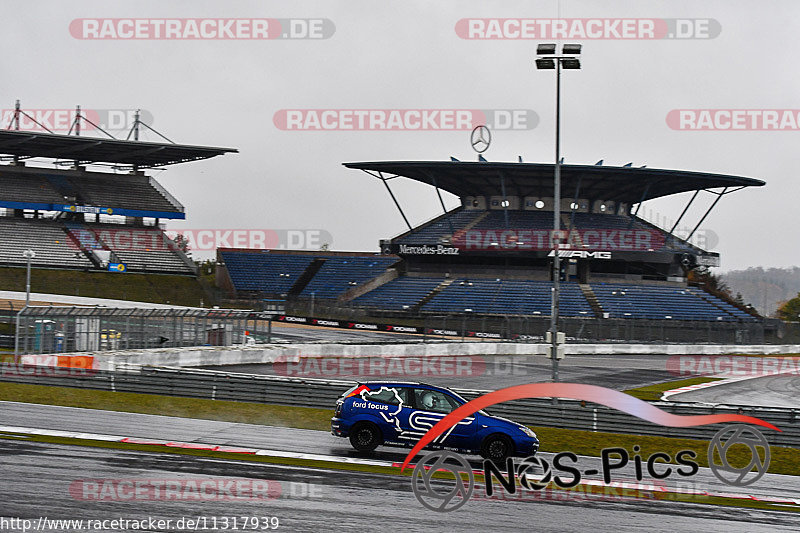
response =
{"points": [[365, 437], [496, 448]]}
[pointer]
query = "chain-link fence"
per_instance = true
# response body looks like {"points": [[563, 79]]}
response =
{"points": [[79, 329], [533, 328]]}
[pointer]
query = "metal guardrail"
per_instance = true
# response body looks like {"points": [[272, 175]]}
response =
{"points": [[322, 393]]}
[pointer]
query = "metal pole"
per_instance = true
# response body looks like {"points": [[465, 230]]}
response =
{"points": [[556, 229], [16, 124], [28, 280], [16, 337]]}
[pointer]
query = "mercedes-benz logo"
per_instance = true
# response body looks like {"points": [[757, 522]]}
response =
{"points": [[738, 434], [480, 139], [443, 500]]}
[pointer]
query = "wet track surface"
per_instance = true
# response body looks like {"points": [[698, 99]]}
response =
{"points": [[37, 478], [771, 391]]}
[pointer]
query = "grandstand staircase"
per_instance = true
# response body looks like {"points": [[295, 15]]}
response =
{"points": [[306, 277], [427, 298], [66, 189], [590, 296], [88, 242], [180, 254], [474, 222]]}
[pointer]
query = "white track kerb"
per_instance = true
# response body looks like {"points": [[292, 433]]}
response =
{"points": [[14, 431]]}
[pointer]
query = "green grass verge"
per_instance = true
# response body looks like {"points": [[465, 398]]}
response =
{"points": [[155, 288], [152, 404], [652, 393], [784, 460]]}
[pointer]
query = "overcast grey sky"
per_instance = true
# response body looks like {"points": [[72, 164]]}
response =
{"points": [[408, 55]]}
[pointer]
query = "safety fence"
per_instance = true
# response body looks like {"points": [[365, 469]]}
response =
{"points": [[60, 329], [533, 329], [321, 393]]}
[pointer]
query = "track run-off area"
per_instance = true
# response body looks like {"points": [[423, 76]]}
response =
{"points": [[51, 456]]}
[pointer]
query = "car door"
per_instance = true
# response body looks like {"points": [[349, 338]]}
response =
{"points": [[431, 406], [395, 416]]}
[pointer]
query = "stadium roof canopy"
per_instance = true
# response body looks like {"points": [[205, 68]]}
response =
{"points": [[621, 184], [88, 150]]}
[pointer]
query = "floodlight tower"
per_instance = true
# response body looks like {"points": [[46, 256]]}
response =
{"points": [[548, 60]]}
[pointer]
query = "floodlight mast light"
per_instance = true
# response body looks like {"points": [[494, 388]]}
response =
{"points": [[548, 60]]}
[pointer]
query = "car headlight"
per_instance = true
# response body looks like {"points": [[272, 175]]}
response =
{"points": [[528, 431]]}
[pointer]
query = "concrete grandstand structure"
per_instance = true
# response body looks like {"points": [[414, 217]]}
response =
{"points": [[492, 255], [59, 199]]}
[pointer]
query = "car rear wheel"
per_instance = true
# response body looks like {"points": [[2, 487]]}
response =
{"points": [[496, 448], [365, 437]]}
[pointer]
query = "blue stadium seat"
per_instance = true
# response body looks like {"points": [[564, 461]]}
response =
{"points": [[398, 294], [339, 274], [659, 302]]}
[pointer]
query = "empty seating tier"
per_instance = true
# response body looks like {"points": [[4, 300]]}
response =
{"points": [[144, 249], [52, 245], [123, 192], [276, 273], [399, 294], [339, 274], [440, 228], [264, 272], [34, 189], [116, 191], [659, 302], [508, 297]]}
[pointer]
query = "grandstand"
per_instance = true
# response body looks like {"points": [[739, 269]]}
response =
{"points": [[92, 220], [278, 273], [492, 255]]}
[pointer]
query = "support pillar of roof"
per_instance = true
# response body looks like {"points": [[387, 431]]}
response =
{"points": [[394, 199], [685, 209], [708, 211], [639, 204], [441, 201]]}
